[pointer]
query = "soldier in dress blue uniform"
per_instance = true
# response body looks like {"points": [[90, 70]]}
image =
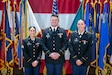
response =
{"points": [[80, 49], [56, 41], [32, 50]]}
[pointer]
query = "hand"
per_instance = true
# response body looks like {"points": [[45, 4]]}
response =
{"points": [[54, 55], [57, 55], [78, 62], [34, 63]]}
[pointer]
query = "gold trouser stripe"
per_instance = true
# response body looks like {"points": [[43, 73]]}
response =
{"points": [[47, 52], [62, 51], [87, 70]]}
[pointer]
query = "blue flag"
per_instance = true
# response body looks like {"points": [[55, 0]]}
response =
{"points": [[95, 27], [17, 24], [17, 35], [111, 41], [89, 20], [97, 15], [104, 37], [19, 54], [110, 34], [19, 49], [87, 16], [54, 8], [9, 55]]}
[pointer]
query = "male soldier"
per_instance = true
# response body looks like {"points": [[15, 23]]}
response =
{"points": [[56, 41], [80, 49]]}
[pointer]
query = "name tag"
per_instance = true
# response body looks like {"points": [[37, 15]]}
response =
{"points": [[84, 41]]}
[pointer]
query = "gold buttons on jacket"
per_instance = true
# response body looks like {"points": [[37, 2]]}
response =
{"points": [[79, 41], [53, 44], [53, 37], [53, 48], [33, 49], [33, 55], [33, 52], [53, 41], [78, 52]]}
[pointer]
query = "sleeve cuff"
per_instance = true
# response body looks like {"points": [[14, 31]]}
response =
{"points": [[74, 57], [47, 52], [83, 59], [30, 60], [61, 52], [38, 58]]}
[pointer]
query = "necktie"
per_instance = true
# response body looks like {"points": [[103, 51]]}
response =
{"points": [[54, 30], [80, 35]]}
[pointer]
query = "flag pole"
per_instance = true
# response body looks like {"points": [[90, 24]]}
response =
{"points": [[82, 8]]}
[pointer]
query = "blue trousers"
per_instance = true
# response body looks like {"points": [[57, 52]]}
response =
{"points": [[79, 70], [54, 69], [32, 71]]}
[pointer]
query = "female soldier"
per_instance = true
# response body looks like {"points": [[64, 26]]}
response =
{"points": [[32, 50]]}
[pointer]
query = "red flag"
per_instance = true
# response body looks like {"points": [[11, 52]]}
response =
{"points": [[2, 49]]}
